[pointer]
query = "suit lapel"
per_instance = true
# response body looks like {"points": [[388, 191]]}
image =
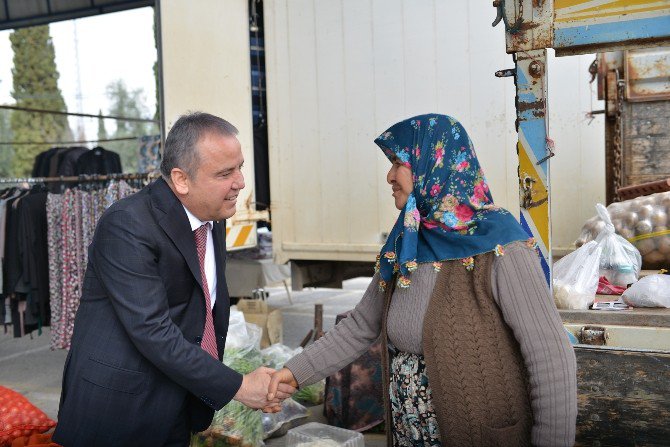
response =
{"points": [[222, 307], [175, 224], [219, 240]]}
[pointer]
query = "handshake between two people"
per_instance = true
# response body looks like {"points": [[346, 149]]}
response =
{"points": [[265, 389]]}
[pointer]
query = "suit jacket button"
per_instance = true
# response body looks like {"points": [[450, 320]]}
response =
{"points": [[198, 339]]}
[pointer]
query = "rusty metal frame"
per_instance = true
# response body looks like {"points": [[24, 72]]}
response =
{"points": [[534, 150], [651, 66], [575, 27], [589, 26], [586, 26], [532, 21]]}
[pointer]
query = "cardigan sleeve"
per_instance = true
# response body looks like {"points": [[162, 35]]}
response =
{"points": [[340, 346], [521, 291]]}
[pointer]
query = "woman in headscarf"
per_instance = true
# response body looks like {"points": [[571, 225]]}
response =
{"points": [[477, 355]]}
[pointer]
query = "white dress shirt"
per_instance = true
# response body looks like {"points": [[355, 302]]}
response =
{"points": [[210, 261]]}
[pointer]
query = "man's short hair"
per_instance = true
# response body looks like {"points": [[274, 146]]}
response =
{"points": [[181, 143]]}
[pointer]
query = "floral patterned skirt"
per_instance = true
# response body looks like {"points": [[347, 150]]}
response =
{"points": [[414, 421]]}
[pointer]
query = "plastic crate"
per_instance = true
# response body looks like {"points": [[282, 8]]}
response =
{"points": [[314, 434]]}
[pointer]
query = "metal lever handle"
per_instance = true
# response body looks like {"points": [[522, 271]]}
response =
{"points": [[505, 73], [498, 4]]}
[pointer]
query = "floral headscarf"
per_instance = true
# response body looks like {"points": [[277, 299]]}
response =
{"points": [[450, 213]]}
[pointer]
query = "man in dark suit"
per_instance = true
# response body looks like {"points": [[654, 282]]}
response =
{"points": [[144, 368]]}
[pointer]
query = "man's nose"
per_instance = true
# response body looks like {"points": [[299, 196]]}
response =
{"points": [[239, 181]]}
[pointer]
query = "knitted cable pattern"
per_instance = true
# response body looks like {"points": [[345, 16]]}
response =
{"points": [[474, 363]]}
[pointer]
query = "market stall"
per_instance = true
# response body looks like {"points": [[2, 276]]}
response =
{"points": [[619, 399]]}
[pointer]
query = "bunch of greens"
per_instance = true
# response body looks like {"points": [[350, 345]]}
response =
{"points": [[311, 394], [243, 360], [276, 356], [235, 424]]}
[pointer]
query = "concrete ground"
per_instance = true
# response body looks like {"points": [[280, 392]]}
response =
{"points": [[28, 366]]}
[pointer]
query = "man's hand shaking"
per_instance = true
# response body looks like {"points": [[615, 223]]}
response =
{"points": [[255, 390]]}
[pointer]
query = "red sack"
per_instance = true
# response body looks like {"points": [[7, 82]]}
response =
{"points": [[18, 417], [34, 440], [607, 288]]}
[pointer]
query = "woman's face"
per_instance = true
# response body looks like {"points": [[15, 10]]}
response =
{"points": [[400, 179]]}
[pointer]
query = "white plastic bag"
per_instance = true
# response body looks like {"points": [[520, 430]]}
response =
{"points": [[644, 222], [576, 277], [277, 424], [650, 291], [274, 356], [620, 261], [235, 423], [242, 335]]}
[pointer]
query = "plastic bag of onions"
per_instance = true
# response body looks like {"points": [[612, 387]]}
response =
{"points": [[644, 222], [620, 261], [576, 277]]}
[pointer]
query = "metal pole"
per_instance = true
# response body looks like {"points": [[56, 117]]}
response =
{"points": [[534, 149]]}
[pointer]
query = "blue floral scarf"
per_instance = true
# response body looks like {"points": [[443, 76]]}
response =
{"points": [[450, 213]]}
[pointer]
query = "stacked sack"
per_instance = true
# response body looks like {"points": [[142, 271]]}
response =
{"points": [[644, 222]]}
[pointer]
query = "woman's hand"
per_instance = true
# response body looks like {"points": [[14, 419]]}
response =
{"points": [[281, 382], [282, 386]]}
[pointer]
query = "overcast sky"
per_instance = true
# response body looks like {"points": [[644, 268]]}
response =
{"points": [[111, 46]]}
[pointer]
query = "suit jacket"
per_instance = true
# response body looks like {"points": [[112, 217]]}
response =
{"points": [[98, 161], [68, 160], [135, 362]]}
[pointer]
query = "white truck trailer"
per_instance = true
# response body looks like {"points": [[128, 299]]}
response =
{"points": [[338, 74]]}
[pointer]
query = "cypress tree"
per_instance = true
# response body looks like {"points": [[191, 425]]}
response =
{"points": [[102, 131], [129, 103], [157, 111], [6, 152], [35, 86]]}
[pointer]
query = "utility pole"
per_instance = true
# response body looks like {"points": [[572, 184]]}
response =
{"points": [[81, 132]]}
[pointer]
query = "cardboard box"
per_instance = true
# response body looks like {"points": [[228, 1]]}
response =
{"points": [[268, 318]]}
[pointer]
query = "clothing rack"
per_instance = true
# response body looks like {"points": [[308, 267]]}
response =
{"points": [[84, 178], [63, 143]]}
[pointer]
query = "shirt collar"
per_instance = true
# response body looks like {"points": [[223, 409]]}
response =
{"points": [[194, 221]]}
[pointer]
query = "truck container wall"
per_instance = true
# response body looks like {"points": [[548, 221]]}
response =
{"points": [[204, 48], [340, 72]]}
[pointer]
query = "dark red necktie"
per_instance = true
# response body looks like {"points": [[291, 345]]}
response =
{"points": [[208, 335]]}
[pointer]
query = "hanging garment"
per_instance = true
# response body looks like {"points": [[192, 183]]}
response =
{"points": [[32, 234], [23, 283], [43, 162], [68, 160], [55, 250], [54, 160], [149, 159], [64, 274], [71, 220], [98, 161], [12, 259], [5, 197], [4, 200]]}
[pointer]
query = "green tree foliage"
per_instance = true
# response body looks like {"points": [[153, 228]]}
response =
{"points": [[128, 103], [102, 130], [6, 152], [35, 86], [157, 112]]}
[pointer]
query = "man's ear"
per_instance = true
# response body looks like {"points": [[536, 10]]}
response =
{"points": [[180, 181]]}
